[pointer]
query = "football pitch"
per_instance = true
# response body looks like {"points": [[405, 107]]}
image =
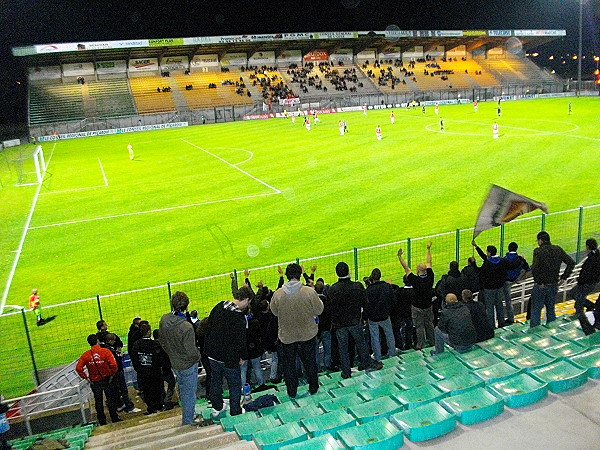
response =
{"points": [[208, 199], [204, 200]]}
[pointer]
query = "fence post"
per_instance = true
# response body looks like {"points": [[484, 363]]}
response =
{"points": [[502, 240], [543, 222], [169, 292], [457, 243], [35, 371], [355, 264], [579, 234], [99, 307], [408, 251], [298, 261]]}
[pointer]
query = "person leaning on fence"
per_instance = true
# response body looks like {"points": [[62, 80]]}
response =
{"points": [[545, 268], [178, 339], [101, 368]]}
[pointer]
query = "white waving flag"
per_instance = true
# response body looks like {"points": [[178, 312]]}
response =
{"points": [[502, 206]]}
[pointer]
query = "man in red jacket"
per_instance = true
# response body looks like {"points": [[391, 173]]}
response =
{"points": [[101, 368]]}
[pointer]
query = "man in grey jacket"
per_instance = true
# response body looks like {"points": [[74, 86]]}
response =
{"points": [[455, 327], [178, 339]]}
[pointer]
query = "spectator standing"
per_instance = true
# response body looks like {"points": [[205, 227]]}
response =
{"points": [[455, 327], [483, 329], [346, 301], [225, 347], [134, 333], [380, 300], [547, 260], [146, 359], [401, 316], [101, 367], [589, 276], [166, 375], [178, 339], [471, 273], [512, 276], [297, 308], [112, 342], [324, 334], [422, 284]]}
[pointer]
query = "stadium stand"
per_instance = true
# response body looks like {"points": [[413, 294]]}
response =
{"points": [[55, 103], [515, 70], [111, 98], [201, 96], [147, 98]]}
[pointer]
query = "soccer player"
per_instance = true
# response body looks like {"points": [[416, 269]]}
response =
{"points": [[378, 132], [475, 106], [345, 127], [293, 117], [130, 150], [34, 305], [570, 108], [499, 109], [316, 116], [423, 109], [392, 117], [307, 122], [441, 124], [437, 109], [365, 109], [341, 127], [495, 130], [285, 114]]}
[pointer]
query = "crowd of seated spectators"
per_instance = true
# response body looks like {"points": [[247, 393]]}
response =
{"points": [[464, 307], [163, 89], [272, 87]]}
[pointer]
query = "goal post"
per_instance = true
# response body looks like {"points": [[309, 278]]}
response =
{"points": [[28, 175], [39, 163]]}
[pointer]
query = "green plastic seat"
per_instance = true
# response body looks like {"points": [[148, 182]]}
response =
{"points": [[358, 379], [344, 402], [425, 422], [449, 355], [531, 361], [496, 372], [417, 396], [510, 335], [333, 376], [436, 364], [411, 370], [341, 391], [274, 410], [328, 423], [380, 391], [378, 434], [473, 406], [323, 442], [282, 396], [546, 330], [520, 390], [308, 399], [474, 353], [377, 380], [289, 433], [542, 343], [494, 345], [527, 339], [516, 351], [569, 335], [565, 350], [589, 360], [416, 381], [411, 355], [228, 423], [482, 361], [561, 376], [298, 414], [450, 371], [372, 409], [459, 384], [593, 340], [245, 430]]}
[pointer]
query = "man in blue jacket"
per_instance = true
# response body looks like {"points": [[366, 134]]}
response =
{"points": [[512, 276]]}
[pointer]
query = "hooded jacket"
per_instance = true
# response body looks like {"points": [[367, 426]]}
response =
{"points": [[492, 273], [346, 301], [514, 274], [297, 308], [225, 339], [178, 339]]}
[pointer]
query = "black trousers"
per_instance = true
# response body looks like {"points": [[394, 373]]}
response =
{"points": [[110, 390], [152, 387], [307, 353]]}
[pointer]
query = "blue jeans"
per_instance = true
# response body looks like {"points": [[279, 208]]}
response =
{"points": [[187, 379], [494, 301], [442, 338], [543, 296], [342, 335], [258, 373], [510, 312], [389, 338], [580, 293], [234, 382], [306, 351], [325, 338]]}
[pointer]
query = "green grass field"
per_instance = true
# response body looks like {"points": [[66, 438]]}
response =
{"points": [[205, 200]]}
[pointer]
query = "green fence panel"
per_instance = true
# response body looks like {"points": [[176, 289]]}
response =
{"points": [[204, 293], [16, 369], [326, 265], [385, 258]]}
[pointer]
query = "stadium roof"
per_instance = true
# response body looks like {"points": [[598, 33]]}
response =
{"points": [[52, 54]]}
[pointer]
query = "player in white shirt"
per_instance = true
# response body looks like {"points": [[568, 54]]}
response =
{"points": [[392, 117], [293, 118], [365, 109], [307, 122], [130, 150], [437, 109], [495, 130], [475, 106], [341, 127], [378, 132]]}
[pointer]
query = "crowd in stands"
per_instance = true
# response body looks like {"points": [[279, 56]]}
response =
{"points": [[309, 325], [271, 86]]}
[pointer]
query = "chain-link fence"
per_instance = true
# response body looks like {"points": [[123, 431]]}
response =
{"points": [[29, 352]]}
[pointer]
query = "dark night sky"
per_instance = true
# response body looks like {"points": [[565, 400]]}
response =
{"points": [[25, 22]]}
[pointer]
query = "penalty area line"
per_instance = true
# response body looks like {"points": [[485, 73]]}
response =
{"points": [[151, 211], [64, 191]]}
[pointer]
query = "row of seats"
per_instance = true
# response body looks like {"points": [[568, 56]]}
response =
{"points": [[112, 98], [55, 102], [74, 437], [421, 397], [202, 97]]}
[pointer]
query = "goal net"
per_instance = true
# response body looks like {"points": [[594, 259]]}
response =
{"points": [[31, 168]]}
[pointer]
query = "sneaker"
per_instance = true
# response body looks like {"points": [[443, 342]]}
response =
{"points": [[377, 365], [345, 377], [215, 412], [133, 410], [121, 408]]}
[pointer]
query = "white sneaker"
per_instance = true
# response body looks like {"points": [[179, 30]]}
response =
{"points": [[134, 410], [216, 413]]}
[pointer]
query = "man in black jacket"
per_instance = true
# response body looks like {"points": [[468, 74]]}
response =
{"points": [[588, 278], [146, 357], [478, 316], [380, 299], [492, 276], [225, 346], [455, 327], [346, 300]]}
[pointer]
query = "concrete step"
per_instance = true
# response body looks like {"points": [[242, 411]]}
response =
{"points": [[193, 439], [112, 434], [240, 445]]}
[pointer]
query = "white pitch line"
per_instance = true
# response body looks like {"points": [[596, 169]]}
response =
{"points": [[277, 191], [170, 208], [64, 191], [103, 174], [19, 249]]}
